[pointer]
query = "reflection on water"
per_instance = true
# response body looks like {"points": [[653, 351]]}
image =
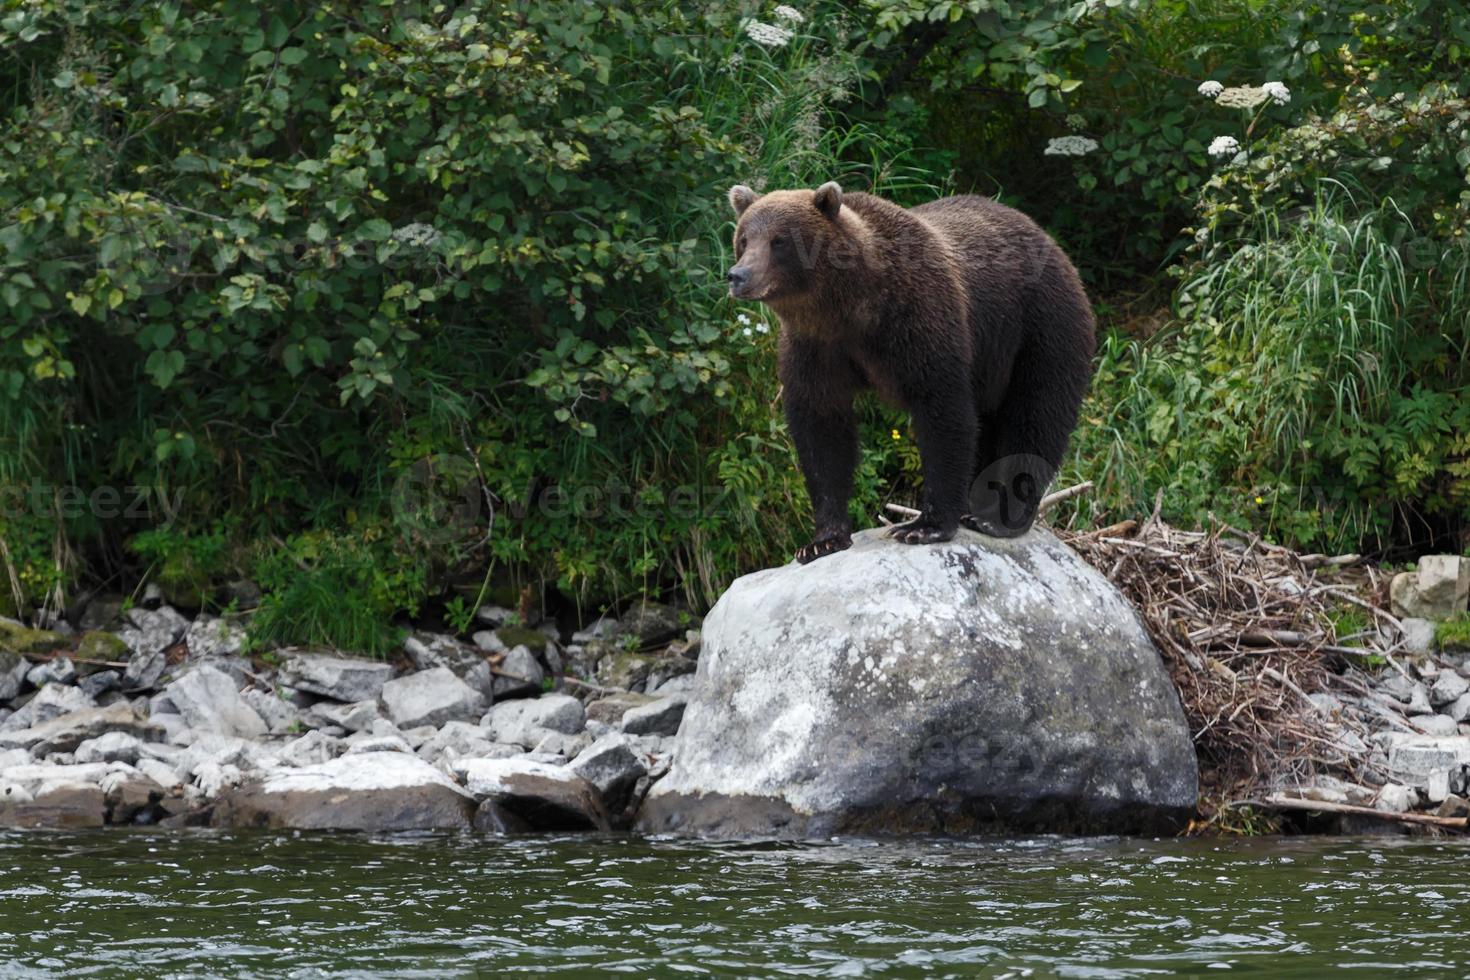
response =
{"points": [[150, 904]]}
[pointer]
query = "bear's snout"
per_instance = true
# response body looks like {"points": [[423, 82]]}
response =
{"points": [[739, 279]]}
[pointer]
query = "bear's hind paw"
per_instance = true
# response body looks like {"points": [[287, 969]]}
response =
{"points": [[922, 530]]}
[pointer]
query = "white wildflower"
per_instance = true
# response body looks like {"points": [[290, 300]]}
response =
{"points": [[762, 328], [1278, 92], [1210, 89], [417, 235], [1070, 146], [1224, 146], [768, 35], [746, 331], [789, 14], [1241, 97], [743, 319]]}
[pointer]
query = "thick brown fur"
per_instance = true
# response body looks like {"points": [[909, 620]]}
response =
{"points": [[961, 311]]}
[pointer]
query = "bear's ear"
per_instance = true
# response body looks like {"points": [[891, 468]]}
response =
{"points": [[741, 197], [828, 198]]}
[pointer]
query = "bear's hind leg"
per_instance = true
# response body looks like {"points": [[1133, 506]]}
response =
{"points": [[1031, 429]]}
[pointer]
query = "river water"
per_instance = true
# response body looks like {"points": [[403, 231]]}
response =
{"points": [[201, 904]]}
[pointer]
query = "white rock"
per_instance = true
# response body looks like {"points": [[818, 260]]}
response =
{"points": [[377, 743], [1444, 583], [526, 722], [311, 749], [358, 773], [914, 687], [153, 630], [1395, 798], [1418, 635], [50, 702], [111, 747], [279, 714], [431, 697], [1437, 725], [58, 670], [338, 678], [1448, 687], [355, 717], [212, 778], [211, 637], [208, 700], [1460, 709], [161, 773]]}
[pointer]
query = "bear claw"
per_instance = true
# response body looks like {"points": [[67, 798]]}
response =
{"points": [[921, 530], [821, 548]]}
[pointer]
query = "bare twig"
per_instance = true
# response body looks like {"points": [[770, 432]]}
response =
{"points": [[1322, 806]]}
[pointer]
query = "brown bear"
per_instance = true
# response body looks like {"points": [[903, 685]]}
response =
{"points": [[961, 311]]}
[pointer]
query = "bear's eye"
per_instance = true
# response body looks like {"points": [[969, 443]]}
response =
{"points": [[778, 242], [740, 245]]}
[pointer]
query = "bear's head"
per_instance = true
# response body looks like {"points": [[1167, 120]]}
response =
{"points": [[786, 242]]}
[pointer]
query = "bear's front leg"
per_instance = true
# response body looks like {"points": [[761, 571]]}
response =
{"points": [[946, 425], [827, 448]]}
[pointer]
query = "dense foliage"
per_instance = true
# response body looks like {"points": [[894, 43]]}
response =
{"points": [[373, 302]]}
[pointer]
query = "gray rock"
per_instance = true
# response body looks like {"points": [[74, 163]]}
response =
{"points": [[662, 717], [279, 715], [488, 642], [13, 670], [58, 670], [495, 615], [52, 701], [431, 697], [526, 722], [376, 791], [1395, 798], [546, 797], [95, 685], [1460, 709], [338, 678], [1397, 686], [161, 773], [559, 744], [145, 669], [77, 796], [613, 764], [357, 717], [65, 732], [208, 700], [376, 743], [208, 636], [1437, 724], [102, 612], [430, 650], [311, 749], [1418, 635], [680, 684], [520, 675], [609, 710], [1414, 759], [111, 747], [961, 687], [153, 630], [1448, 686], [462, 740], [1444, 583]]}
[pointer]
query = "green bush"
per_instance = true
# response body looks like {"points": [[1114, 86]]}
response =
{"points": [[1313, 387]]}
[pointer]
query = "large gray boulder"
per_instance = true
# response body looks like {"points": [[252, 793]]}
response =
{"points": [[976, 685]]}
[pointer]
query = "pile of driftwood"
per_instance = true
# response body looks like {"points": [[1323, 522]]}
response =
{"points": [[1246, 629]]}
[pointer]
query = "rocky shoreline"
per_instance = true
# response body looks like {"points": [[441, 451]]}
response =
{"points": [[890, 690], [165, 720]]}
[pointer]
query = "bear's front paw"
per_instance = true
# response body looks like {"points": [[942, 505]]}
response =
{"points": [[823, 545], [924, 529]]}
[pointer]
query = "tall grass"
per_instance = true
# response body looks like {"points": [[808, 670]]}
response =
{"points": [[1306, 386]]}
